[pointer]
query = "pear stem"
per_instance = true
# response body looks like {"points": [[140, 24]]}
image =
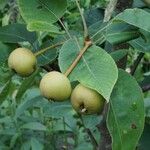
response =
{"points": [[47, 48], [88, 43]]}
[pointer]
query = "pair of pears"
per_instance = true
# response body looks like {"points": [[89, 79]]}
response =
{"points": [[55, 85]]}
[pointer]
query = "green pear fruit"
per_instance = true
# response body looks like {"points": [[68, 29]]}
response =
{"points": [[147, 2], [86, 101], [22, 61], [55, 86]]}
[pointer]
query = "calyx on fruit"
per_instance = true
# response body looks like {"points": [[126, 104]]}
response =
{"points": [[55, 86], [22, 61], [86, 101]]}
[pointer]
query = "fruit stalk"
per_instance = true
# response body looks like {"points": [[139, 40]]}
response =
{"points": [[47, 48], [88, 43]]}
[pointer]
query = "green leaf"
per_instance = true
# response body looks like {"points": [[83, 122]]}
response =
{"points": [[2, 146], [26, 145], [14, 140], [3, 4], [34, 126], [4, 52], [146, 81], [140, 45], [5, 91], [43, 26], [122, 37], [82, 142], [90, 121], [58, 125], [138, 3], [147, 108], [6, 120], [27, 104], [26, 84], [59, 110], [36, 145], [47, 57], [5, 74], [97, 31], [96, 69], [144, 143], [136, 17], [42, 10], [120, 32], [125, 119], [15, 33], [8, 132], [114, 32], [117, 55], [94, 15]]}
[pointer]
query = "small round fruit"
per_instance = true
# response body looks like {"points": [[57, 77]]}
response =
{"points": [[22, 61], [86, 101], [147, 2], [55, 86]]}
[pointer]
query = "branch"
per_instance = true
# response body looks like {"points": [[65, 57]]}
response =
{"points": [[83, 20], [136, 63], [109, 10], [47, 48], [75, 62]]}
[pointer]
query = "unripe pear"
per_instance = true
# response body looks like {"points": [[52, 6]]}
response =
{"points": [[147, 2], [86, 101], [55, 86], [22, 61]]}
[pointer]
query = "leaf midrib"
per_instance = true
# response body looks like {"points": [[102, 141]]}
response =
{"points": [[88, 68], [12, 35]]}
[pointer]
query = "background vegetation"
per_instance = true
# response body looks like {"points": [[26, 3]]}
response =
{"points": [[120, 34]]}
